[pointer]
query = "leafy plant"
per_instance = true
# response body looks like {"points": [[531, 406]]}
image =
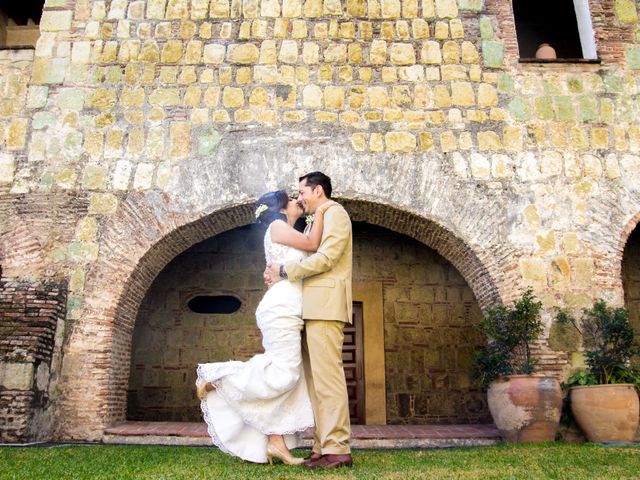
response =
{"points": [[509, 332], [608, 340]]}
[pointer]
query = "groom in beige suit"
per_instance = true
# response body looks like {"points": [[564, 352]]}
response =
{"points": [[326, 309]]}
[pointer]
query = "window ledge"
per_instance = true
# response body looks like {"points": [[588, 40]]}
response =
{"points": [[587, 61], [17, 47]]}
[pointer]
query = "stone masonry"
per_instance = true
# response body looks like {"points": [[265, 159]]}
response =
{"points": [[137, 129]]}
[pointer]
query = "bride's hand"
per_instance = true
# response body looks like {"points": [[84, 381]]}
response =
{"points": [[325, 206]]}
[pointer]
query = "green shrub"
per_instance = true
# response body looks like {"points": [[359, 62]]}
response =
{"points": [[509, 332]]}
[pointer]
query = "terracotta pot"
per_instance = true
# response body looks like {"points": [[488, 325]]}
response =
{"points": [[606, 413], [526, 408], [546, 52]]}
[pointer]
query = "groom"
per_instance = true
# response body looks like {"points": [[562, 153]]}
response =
{"points": [[326, 309]]}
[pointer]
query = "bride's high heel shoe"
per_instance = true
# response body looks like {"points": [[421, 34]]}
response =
{"points": [[285, 457]]}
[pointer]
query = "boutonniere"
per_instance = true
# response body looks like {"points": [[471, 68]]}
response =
{"points": [[309, 219]]}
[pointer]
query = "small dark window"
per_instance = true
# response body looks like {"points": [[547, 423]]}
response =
{"points": [[564, 25], [214, 304], [19, 20]]}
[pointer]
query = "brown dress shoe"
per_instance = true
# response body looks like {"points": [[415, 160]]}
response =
{"points": [[314, 456], [331, 461]]}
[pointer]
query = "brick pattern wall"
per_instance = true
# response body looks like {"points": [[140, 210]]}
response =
{"points": [[430, 316], [30, 316]]}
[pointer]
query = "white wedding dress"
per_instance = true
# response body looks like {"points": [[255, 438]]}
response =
{"points": [[268, 393]]}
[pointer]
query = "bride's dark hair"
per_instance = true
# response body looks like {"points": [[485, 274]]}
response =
{"points": [[274, 202]]}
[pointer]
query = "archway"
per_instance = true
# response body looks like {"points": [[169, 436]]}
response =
{"points": [[417, 319], [97, 358]]}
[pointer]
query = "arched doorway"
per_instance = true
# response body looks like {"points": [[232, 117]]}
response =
{"points": [[97, 360], [417, 321]]}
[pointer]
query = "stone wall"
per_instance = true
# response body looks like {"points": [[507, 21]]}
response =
{"points": [[170, 117], [430, 319], [32, 318]]}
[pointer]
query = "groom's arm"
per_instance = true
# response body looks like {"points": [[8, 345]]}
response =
{"points": [[337, 228]]}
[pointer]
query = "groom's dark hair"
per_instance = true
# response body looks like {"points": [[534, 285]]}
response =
{"points": [[318, 178]]}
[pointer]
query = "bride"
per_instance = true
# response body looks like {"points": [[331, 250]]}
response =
{"points": [[256, 409]]}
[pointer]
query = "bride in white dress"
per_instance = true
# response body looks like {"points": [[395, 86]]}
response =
{"points": [[257, 409]]}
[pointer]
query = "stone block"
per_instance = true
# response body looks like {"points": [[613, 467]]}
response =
{"points": [[292, 8], [448, 142], [489, 140], [16, 376], [332, 8], [171, 52], [179, 139], [7, 168], [446, 8], [626, 11], [378, 52], [493, 53], [563, 107], [633, 57], [214, 54], [334, 97], [533, 269], [94, 177], [451, 52], [103, 204], [17, 134], [49, 70], [487, 95], [56, 20], [480, 166], [270, 8], [402, 54], [288, 51], [143, 177], [243, 53], [399, 142], [431, 53], [177, 9], [469, 53], [501, 166], [474, 5], [335, 53], [462, 94]]}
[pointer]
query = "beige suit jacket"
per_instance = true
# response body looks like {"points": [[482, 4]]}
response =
{"points": [[326, 289]]}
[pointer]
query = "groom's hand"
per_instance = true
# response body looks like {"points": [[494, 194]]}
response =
{"points": [[273, 271]]}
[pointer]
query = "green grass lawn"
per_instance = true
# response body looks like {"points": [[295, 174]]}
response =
{"points": [[565, 461]]}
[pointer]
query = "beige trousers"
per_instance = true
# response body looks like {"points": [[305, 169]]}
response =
{"points": [[322, 359]]}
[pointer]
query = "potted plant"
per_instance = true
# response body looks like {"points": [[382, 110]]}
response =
{"points": [[525, 407], [604, 398]]}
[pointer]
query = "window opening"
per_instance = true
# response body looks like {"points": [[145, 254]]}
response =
{"points": [[214, 304], [563, 25], [19, 23]]}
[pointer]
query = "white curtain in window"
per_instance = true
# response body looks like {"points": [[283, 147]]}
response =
{"points": [[585, 28]]}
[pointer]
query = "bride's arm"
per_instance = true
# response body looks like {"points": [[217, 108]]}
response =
{"points": [[282, 232]]}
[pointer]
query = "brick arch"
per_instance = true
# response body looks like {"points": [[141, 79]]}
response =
{"points": [[131, 259]]}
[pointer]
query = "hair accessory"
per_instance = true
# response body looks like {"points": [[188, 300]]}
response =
{"points": [[261, 208]]}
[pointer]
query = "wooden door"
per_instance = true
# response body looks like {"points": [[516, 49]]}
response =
{"points": [[353, 362]]}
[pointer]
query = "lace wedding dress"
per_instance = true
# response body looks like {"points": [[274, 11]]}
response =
{"points": [[268, 393]]}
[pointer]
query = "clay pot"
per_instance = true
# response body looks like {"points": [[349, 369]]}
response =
{"points": [[526, 408], [606, 413], [546, 52]]}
